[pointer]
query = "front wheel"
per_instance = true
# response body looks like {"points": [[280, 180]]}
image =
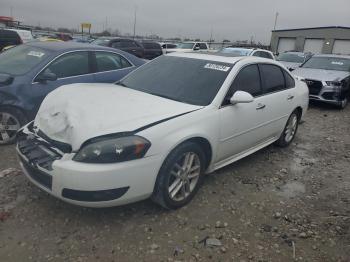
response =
{"points": [[180, 176], [11, 120], [289, 131], [343, 103]]}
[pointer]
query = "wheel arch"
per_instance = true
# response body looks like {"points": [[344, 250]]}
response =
{"points": [[299, 111]]}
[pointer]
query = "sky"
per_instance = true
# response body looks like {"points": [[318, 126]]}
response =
{"points": [[226, 19]]}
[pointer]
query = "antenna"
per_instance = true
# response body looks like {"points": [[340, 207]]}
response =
{"points": [[135, 21]]}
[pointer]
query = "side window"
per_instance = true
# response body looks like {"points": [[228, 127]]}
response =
{"points": [[71, 64], [290, 83], [266, 55], [257, 53], [248, 80], [203, 46], [107, 61], [273, 79], [129, 44], [117, 44]]}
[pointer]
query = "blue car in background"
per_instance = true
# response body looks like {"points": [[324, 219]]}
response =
{"points": [[30, 71]]}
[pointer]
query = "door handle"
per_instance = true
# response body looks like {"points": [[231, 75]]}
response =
{"points": [[260, 106], [290, 97]]}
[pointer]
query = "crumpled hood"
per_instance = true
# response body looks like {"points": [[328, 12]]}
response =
{"points": [[75, 113], [290, 64], [320, 74]]}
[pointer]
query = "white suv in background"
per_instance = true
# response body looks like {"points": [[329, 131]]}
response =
{"points": [[237, 51], [190, 47], [25, 35]]}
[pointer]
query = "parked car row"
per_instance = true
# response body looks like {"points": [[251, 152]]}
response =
{"points": [[181, 121]]}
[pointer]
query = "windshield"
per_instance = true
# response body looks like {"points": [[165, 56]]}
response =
{"points": [[292, 58], [21, 59], [236, 51], [185, 45], [188, 80], [101, 41], [328, 63]]}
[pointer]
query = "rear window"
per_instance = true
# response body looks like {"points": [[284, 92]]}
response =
{"points": [[102, 42], [192, 81], [21, 59], [328, 63], [151, 45]]}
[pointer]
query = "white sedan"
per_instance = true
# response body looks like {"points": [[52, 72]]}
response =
{"points": [[159, 130]]}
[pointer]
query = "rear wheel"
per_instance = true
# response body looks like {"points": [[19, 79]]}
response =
{"points": [[180, 176], [289, 131], [11, 120]]}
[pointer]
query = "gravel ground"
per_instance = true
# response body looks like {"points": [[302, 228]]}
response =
{"points": [[276, 205]]}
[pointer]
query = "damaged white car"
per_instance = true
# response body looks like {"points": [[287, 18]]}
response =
{"points": [[158, 131]]}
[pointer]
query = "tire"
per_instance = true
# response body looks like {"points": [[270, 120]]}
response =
{"points": [[289, 131], [11, 119], [175, 187], [343, 103]]}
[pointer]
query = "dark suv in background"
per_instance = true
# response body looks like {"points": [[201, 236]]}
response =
{"points": [[124, 44], [151, 49], [8, 38]]}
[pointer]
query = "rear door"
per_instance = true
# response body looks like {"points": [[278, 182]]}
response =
{"points": [[72, 67], [278, 93], [110, 67]]}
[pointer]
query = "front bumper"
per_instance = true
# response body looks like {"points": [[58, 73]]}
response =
{"points": [[90, 185]]}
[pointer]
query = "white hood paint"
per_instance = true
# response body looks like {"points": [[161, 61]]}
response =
{"points": [[75, 113]]}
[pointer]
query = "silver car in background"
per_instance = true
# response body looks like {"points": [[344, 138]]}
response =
{"points": [[292, 60], [328, 78]]}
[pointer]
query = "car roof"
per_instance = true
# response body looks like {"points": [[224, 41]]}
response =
{"points": [[218, 57], [333, 55], [66, 46]]}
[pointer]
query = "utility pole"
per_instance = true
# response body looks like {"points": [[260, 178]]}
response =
{"points": [[135, 22], [11, 11], [277, 14], [211, 37]]}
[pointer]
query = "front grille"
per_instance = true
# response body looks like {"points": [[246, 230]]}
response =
{"points": [[328, 95], [37, 152], [37, 175], [314, 86]]}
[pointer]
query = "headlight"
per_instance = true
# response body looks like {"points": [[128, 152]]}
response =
{"points": [[333, 83], [113, 150]]}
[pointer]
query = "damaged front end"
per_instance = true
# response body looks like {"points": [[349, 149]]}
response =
{"points": [[37, 154]]}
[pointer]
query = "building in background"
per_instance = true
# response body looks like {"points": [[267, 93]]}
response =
{"points": [[325, 40]]}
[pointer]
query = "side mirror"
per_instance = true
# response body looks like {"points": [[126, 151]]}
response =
{"points": [[196, 48], [241, 97], [46, 76]]}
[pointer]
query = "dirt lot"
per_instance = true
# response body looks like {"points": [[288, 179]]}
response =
{"points": [[277, 205]]}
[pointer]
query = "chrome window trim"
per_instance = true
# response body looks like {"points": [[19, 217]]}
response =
{"points": [[262, 89], [79, 50]]}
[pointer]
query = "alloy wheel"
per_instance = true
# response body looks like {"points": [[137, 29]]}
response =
{"points": [[291, 128], [9, 125], [184, 176]]}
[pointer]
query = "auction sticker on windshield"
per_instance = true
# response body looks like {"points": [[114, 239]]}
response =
{"points": [[217, 67], [36, 54]]}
